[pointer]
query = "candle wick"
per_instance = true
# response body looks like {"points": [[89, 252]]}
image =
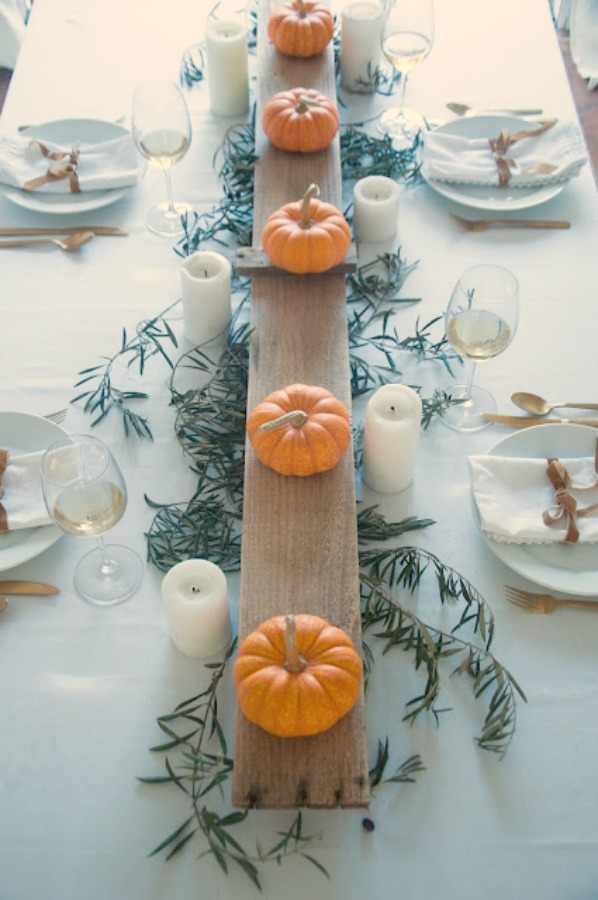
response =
{"points": [[205, 273], [392, 409], [195, 590]]}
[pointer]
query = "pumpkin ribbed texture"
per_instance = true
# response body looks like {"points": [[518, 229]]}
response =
{"points": [[297, 675], [301, 29], [306, 236], [300, 120], [316, 433]]}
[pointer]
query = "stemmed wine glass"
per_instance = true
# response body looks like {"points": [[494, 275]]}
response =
{"points": [[85, 494], [407, 38], [480, 322], [162, 133]]}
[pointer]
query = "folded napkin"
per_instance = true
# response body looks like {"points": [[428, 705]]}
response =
{"points": [[44, 166], [547, 154], [21, 498], [537, 501]]}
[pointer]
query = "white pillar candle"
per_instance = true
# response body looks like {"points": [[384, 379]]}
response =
{"points": [[375, 209], [206, 292], [361, 35], [391, 434], [195, 600], [228, 78]]}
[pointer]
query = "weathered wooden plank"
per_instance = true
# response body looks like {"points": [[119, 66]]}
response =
{"points": [[299, 551], [250, 261]]}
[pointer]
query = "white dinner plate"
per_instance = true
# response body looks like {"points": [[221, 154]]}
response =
{"points": [[491, 197], [21, 433], [570, 568], [67, 131]]}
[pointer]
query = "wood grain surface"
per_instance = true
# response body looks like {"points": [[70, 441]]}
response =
{"points": [[299, 550]]}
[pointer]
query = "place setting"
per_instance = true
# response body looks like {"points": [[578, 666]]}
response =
{"points": [[54, 483]]}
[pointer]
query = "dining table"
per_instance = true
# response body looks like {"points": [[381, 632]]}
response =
{"points": [[82, 687]]}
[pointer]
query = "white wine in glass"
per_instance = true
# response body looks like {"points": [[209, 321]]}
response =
{"points": [[162, 133], [407, 38], [86, 496], [480, 322]]}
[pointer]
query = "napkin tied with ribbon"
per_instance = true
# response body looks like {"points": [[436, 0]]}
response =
{"points": [[549, 153], [34, 165], [21, 498], [537, 501]]}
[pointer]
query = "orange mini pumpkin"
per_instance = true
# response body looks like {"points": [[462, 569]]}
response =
{"points": [[300, 430], [301, 28], [306, 236], [300, 120], [297, 675]]}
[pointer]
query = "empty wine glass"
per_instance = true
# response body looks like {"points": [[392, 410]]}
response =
{"points": [[480, 322], [162, 133], [407, 38], [85, 495]]}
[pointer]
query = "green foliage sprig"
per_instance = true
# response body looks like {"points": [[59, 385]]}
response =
{"points": [[365, 154], [200, 765], [210, 426], [103, 397]]}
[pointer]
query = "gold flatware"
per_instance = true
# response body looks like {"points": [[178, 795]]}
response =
{"points": [[56, 417], [70, 243], [525, 421], [28, 588], [94, 229], [3, 604], [463, 109], [538, 406], [484, 224], [543, 603]]}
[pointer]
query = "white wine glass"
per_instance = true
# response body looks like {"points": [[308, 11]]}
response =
{"points": [[161, 130], [85, 494], [407, 38], [480, 322]]}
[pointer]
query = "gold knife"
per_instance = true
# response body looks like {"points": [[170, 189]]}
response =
{"points": [[28, 588], [96, 229], [525, 421]]}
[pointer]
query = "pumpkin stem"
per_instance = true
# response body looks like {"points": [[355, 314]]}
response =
{"points": [[312, 191], [305, 102], [301, 10], [296, 417], [294, 661]]}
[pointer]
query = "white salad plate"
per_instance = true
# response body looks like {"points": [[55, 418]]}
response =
{"points": [[22, 433], [66, 132], [569, 568], [491, 197]]}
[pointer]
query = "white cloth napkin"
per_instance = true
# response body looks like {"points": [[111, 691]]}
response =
{"points": [[512, 494], [462, 160], [21, 498], [108, 164]]}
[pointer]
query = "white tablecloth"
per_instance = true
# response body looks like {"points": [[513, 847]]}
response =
{"points": [[12, 32], [81, 687]]}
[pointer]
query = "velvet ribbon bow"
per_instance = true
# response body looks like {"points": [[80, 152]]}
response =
{"points": [[506, 164], [64, 165], [565, 506]]}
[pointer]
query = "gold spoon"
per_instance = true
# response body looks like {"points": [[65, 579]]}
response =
{"points": [[72, 242], [462, 109], [3, 604], [537, 406]]}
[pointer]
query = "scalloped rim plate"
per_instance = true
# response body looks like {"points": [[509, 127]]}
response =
{"points": [[569, 568], [22, 433], [491, 197], [66, 131]]}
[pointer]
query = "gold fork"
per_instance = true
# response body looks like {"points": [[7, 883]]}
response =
{"points": [[56, 417], [543, 603], [483, 224]]}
